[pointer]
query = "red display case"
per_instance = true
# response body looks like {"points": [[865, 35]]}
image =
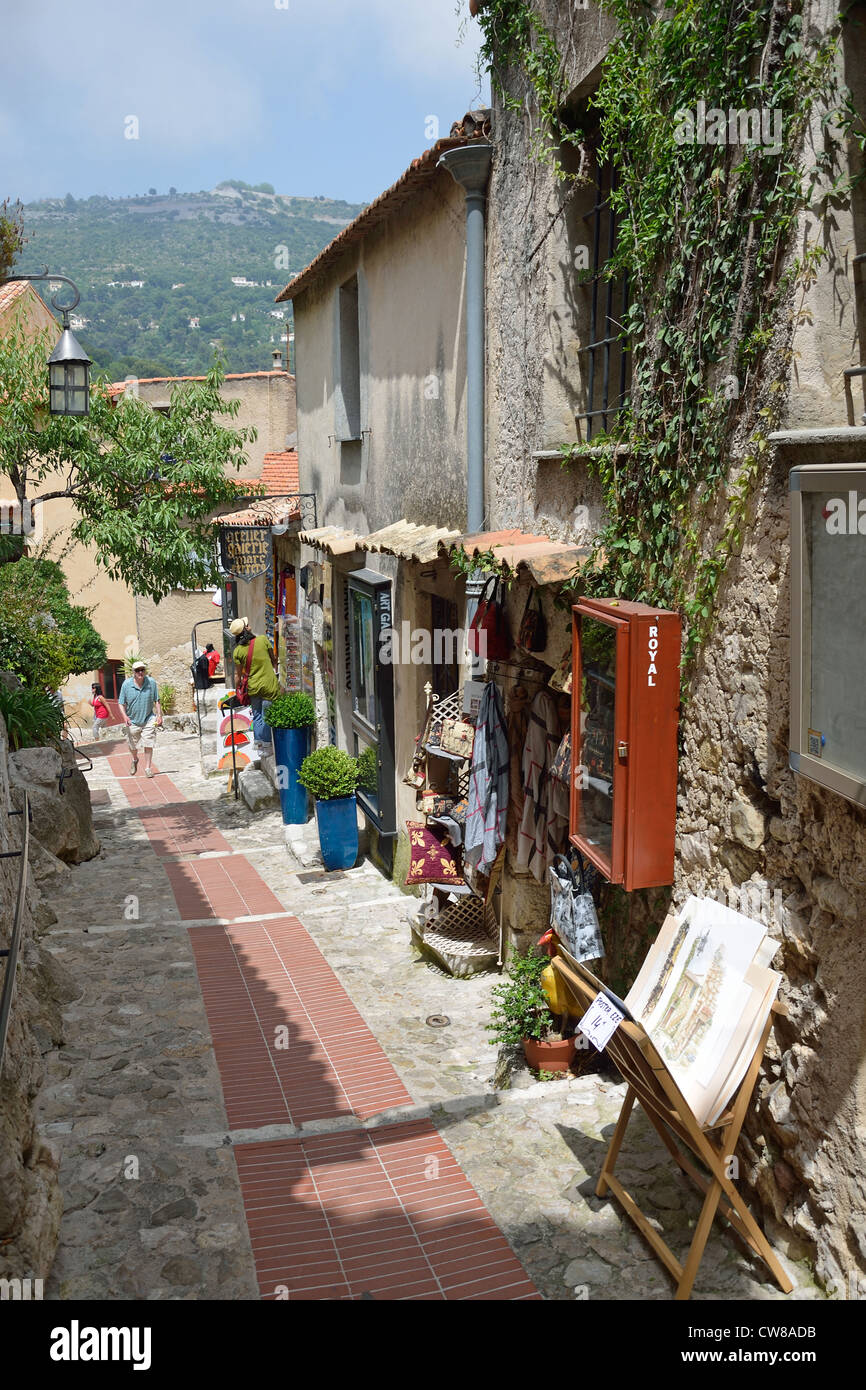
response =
{"points": [[624, 715]]}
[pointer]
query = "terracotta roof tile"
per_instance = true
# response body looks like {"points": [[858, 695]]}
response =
{"points": [[16, 290], [420, 172]]}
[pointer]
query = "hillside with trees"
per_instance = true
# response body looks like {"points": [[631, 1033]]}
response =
{"points": [[185, 249]]}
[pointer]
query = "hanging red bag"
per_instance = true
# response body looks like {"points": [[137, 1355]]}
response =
{"points": [[488, 632]]}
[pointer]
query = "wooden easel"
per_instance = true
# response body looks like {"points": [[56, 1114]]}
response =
{"points": [[651, 1084]]}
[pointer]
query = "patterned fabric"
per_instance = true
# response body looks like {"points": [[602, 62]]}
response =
{"points": [[488, 783], [429, 860], [544, 823]]}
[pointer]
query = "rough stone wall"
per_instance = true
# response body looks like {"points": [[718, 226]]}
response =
{"points": [[772, 843], [30, 1198]]}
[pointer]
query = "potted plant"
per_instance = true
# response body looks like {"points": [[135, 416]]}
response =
{"points": [[332, 776], [291, 717], [521, 1014]]}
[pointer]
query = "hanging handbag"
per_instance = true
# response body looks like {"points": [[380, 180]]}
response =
{"points": [[560, 768], [242, 687], [561, 678], [533, 629], [572, 911], [458, 738], [488, 632]]}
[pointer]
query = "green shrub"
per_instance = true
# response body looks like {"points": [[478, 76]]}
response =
{"points": [[520, 1007], [44, 637], [166, 698], [33, 718], [291, 711], [368, 770], [329, 773]]}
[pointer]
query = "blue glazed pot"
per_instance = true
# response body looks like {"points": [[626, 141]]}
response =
{"points": [[291, 746], [338, 831]]}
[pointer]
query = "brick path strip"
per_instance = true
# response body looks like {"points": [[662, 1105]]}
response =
{"points": [[384, 1213]]}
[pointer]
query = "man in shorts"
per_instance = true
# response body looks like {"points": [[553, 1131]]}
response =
{"points": [[142, 715]]}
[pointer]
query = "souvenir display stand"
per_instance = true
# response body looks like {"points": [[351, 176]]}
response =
{"points": [[457, 924], [652, 1086]]}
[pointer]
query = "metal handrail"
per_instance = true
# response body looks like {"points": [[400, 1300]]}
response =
{"points": [[15, 940]]}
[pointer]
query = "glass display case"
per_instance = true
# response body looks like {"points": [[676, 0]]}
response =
{"points": [[625, 706], [372, 691], [828, 626]]}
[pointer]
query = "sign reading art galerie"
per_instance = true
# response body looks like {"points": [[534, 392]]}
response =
{"points": [[245, 550]]}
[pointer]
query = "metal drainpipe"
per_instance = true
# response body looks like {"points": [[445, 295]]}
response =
{"points": [[469, 165]]}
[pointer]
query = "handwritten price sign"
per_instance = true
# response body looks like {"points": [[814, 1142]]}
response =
{"points": [[600, 1022]]}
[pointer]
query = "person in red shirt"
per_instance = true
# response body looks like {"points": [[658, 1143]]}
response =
{"points": [[101, 714], [213, 659]]}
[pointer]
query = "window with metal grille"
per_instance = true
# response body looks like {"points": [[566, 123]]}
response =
{"points": [[605, 360]]}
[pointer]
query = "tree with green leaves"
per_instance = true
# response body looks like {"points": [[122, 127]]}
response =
{"points": [[145, 485], [44, 637]]}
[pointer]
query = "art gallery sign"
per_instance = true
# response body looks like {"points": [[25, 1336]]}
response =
{"points": [[245, 551]]}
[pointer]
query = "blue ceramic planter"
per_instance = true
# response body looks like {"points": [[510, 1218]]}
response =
{"points": [[291, 746], [338, 831]]}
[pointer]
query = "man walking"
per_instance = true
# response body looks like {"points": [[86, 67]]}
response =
{"points": [[263, 685], [142, 715]]}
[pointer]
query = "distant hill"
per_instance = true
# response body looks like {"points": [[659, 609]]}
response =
{"points": [[185, 249]]}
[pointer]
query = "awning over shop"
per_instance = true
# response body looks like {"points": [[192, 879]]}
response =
{"points": [[332, 539], [409, 541], [264, 511], [549, 562]]}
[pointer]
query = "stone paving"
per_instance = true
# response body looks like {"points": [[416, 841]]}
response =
{"points": [[154, 1207]]}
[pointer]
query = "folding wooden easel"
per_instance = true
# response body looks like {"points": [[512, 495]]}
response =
{"points": [[651, 1084]]}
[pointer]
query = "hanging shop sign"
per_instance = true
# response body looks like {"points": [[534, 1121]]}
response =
{"points": [[246, 551]]}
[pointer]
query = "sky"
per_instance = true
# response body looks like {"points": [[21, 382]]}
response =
{"points": [[332, 97]]}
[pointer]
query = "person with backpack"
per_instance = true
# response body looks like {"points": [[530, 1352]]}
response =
{"points": [[254, 670]]}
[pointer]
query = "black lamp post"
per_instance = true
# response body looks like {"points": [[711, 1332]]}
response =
{"points": [[68, 365]]}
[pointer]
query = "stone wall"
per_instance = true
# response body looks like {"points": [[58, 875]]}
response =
{"points": [[749, 829], [30, 1198]]}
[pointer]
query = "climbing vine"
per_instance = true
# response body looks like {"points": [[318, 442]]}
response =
{"points": [[702, 112]]}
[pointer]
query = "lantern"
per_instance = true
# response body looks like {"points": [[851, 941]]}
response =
{"points": [[69, 376]]}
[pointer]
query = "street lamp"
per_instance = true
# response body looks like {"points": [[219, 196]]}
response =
{"points": [[68, 365]]}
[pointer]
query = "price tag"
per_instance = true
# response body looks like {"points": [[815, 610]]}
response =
{"points": [[600, 1021]]}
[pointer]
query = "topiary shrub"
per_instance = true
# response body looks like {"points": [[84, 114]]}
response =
{"points": [[329, 773], [293, 710]]}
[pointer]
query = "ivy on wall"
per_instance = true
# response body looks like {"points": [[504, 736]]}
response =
{"points": [[703, 109]]}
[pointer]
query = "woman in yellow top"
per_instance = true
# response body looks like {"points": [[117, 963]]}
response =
{"points": [[263, 684]]}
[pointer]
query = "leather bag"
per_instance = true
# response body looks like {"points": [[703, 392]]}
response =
{"points": [[488, 632]]}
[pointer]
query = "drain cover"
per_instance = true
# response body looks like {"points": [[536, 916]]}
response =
{"points": [[437, 1020]]}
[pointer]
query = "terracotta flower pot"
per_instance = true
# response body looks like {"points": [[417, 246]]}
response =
{"points": [[549, 1056]]}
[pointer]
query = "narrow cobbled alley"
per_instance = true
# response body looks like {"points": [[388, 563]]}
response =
{"points": [[251, 1102]]}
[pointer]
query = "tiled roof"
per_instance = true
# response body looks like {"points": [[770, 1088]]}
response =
{"points": [[280, 472], [265, 511], [549, 562], [16, 290], [420, 172], [117, 387], [408, 541], [334, 540]]}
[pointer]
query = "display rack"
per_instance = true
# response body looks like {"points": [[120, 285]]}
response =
{"points": [[463, 936], [654, 1088]]}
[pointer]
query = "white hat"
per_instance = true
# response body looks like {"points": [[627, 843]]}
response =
{"points": [[238, 626], [139, 665]]}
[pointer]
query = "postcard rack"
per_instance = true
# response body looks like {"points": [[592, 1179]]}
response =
{"points": [[652, 1086]]}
